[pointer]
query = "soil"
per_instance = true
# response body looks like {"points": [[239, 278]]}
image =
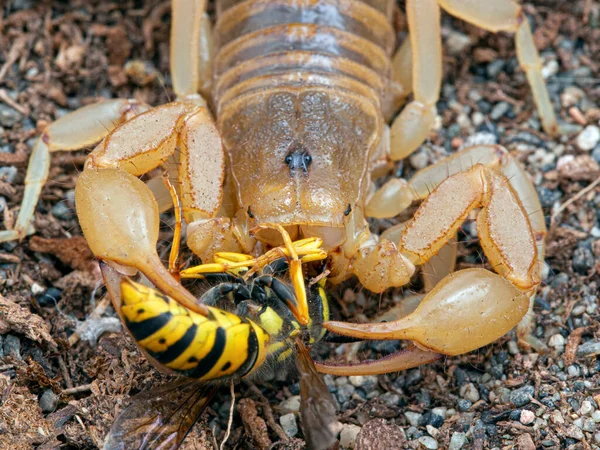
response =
{"points": [[66, 369]]}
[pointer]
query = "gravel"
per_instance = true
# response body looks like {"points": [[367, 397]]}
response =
{"points": [[289, 424], [522, 396], [48, 401], [588, 138]]}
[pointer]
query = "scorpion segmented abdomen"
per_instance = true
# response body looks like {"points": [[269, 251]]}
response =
{"points": [[298, 89], [261, 41]]}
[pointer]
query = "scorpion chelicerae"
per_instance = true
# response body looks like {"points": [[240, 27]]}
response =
{"points": [[301, 92]]}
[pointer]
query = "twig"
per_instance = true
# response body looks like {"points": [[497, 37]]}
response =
{"points": [[232, 387], [77, 389], [268, 412], [100, 308], [573, 199], [65, 372], [14, 105]]}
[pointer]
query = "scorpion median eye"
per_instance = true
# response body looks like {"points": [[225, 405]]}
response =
{"points": [[288, 159], [307, 159], [348, 210]]}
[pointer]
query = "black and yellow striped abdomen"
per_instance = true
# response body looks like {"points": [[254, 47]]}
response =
{"points": [[218, 346]]}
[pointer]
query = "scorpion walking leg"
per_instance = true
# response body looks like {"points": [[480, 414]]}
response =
{"points": [[507, 15], [191, 48], [74, 131], [413, 124]]}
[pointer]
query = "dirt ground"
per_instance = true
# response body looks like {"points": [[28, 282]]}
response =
{"points": [[63, 382]]}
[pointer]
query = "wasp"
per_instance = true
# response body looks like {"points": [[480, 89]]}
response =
{"points": [[250, 325]]}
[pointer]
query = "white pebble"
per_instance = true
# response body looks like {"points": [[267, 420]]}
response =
{"points": [[596, 416], [289, 424], [513, 348], [348, 435], [433, 431], [556, 340], [428, 442], [36, 289], [526, 417], [550, 68], [291, 405], [413, 418], [470, 392], [588, 138], [457, 441]]}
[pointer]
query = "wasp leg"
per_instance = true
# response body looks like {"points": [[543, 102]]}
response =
{"points": [[507, 15], [300, 309], [73, 131]]}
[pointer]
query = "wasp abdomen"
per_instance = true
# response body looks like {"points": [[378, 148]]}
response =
{"points": [[217, 346]]}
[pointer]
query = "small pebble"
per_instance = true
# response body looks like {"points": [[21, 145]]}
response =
{"points": [[48, 401], [588, 138], [457, 441], [573, 371], [463, 405], [289, 424], [456, 43], [469, 392], [348, 435], [433, 431], [428, 442], [8, 116], [413, 418], [590, 348], [556, 340], [499, 110], [344, 393], [8, 174], [583, 260], [573, 431], [596, 416], [62, 211], [589, 425], [390, 399], [291, 404], [521, 397], [526, 417], [513, 348], [434, 420], [368, 383], [12, 346], [525, 442]]}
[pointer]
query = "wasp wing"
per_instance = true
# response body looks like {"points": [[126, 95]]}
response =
{"points": [[317, 406], [161, 418]]}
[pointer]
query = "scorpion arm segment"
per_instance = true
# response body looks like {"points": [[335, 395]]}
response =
{"points": [[507, 15], [73, 131]]}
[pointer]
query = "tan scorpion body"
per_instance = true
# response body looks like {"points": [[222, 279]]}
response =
{"points": [[302, 91]]}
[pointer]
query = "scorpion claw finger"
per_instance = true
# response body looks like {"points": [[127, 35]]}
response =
{"points": [[401, 360]]}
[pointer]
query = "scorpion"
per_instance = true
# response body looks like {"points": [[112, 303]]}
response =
{"points": [[277, 133]]}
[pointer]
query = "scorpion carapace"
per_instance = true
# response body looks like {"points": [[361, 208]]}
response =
{"points": [[301, 80]]}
